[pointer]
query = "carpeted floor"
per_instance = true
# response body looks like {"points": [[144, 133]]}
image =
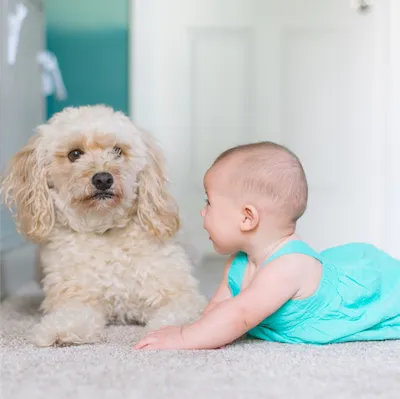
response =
{"points": [[247, 369]]}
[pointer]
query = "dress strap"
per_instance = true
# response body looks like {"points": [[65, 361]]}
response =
{"points": [[294, 247], [239, 263], [236, 272]]}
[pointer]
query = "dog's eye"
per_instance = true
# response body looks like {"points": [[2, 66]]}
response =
{"points": [[117, 151], [74, 155]]}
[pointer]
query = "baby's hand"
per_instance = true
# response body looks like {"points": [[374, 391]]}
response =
{"points": [[169, 337]]}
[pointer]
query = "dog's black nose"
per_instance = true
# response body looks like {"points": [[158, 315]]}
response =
{"points": [[102, 181]]}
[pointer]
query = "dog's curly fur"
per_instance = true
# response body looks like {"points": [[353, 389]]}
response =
{"points": [[106, 255]]}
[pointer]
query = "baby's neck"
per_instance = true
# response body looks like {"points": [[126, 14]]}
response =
{"points": [[261, 248]]}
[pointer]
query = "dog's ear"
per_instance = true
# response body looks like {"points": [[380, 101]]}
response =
{"points": [[25, 189], [156, 209]]}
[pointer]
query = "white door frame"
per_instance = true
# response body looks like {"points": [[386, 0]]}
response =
{"points": [[391, 81], [392, 208]]}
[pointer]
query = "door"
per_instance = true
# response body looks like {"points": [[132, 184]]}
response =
{"points": [[310, 74], [21, 96]]}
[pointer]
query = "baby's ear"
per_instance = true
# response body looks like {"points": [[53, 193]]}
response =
{"points": [[250, 218], [25, 191], [157, 210]]}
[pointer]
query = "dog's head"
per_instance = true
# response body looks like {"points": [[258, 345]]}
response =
{"points": [[89, 168]]}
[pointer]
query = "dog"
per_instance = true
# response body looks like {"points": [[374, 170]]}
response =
{"points": [[90, 189]]}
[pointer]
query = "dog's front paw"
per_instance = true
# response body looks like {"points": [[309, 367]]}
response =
{"points": [[69, 325], [44, 335], [183, 310]]}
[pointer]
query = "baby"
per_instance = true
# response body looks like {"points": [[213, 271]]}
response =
{"points": [[275, 286]]}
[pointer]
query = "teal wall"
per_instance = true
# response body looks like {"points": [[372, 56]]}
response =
{"points": [[90, 40]]}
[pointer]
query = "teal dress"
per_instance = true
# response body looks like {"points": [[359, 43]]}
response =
{"points": [[358, 298]]}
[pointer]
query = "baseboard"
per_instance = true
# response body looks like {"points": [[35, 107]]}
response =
{"points": [[17, 268]]}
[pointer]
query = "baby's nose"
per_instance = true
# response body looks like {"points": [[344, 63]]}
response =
{"points": [[202, 212]]}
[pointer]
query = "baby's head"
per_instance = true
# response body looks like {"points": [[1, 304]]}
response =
{"points": [[257, 188]]}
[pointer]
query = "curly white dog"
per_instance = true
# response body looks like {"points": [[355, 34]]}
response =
{"points": [[90, 189]]}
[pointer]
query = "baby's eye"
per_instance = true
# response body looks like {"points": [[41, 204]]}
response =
{"points": [[207, 201]]}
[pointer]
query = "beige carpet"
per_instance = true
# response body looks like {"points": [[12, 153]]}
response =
{"points": [[248, 369]]}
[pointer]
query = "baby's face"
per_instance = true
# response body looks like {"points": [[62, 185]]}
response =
{"points": [[221, 214]]}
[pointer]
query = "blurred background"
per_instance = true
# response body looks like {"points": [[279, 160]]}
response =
{"points": [[91, 41], [54, 53], [320, 76]]}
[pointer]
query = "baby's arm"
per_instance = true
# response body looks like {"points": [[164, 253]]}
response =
{"points": [[273, 286], [223, 292]]}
